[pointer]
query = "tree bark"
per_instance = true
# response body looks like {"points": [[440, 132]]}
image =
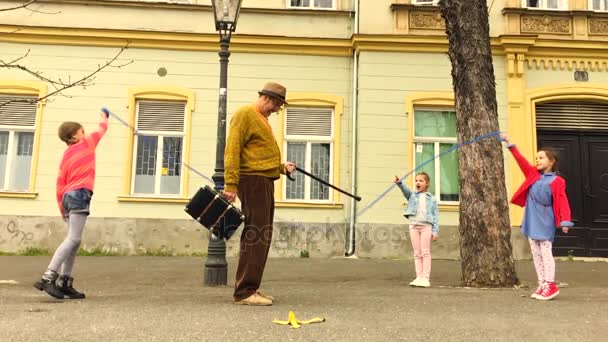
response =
{"points": [[485, 231]]}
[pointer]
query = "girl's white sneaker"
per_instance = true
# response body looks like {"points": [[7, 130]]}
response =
{"points": [[424, 283]]}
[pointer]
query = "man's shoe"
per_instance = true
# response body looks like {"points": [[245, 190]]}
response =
{"points": [[254, 300], [415, 281], [65, 286], [47, 284], [271, 298], [549, 292]]}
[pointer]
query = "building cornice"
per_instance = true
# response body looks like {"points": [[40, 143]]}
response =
{"points": [[174, 40], [530, 45], [194, 7]]}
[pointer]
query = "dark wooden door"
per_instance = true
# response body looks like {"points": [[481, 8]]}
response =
{"points": [[596, 193]]}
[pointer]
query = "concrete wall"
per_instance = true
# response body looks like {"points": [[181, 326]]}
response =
{"points": [[130, 228], [185, 237]]}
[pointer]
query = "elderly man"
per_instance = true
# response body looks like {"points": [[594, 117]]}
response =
{"points": [[252, 163]]}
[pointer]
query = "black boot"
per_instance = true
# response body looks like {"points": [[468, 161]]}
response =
{"points": [[47, 284], [65, 286]]}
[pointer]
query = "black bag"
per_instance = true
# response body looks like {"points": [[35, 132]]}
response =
{"points": [[215, 213]]}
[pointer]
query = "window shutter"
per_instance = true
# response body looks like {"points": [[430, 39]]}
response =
{"points": [[165, 116], [572, 115], [309, 121], [18, 110]]}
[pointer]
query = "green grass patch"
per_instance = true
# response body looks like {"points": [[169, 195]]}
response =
{"points": [[97, 252], [193, 254], [34, 251], [157, 253]]}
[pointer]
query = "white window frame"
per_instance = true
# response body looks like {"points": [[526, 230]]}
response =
{"points": [[436, 141], [309, 140], [603, 6], [11, 152], [160, 135], [311, 6], [562, 5], [425, 2]]}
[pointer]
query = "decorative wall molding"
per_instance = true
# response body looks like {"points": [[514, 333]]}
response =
{"points": [[426, 20], [515, 64], [564, 63], [598, 26], [546, 24]]}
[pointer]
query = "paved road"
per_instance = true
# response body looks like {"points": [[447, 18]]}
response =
{"points": [[162, 299]]}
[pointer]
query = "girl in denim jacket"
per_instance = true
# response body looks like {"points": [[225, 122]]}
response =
{"points": [[422, 212]]}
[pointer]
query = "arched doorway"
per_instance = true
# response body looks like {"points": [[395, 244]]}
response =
{"points": [[578, 130]]}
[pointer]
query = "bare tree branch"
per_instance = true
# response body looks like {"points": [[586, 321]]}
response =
{"points": [[59, 84], [24, 5], [18, 59]]}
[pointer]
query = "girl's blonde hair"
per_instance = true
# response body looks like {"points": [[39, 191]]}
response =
{"points": [[425, 176]]}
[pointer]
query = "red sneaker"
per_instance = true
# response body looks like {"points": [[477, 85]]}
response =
{"points": [[549, 292], [538, 291]]}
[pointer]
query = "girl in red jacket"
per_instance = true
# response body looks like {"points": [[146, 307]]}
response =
{"points": [[543, 194], [74, 190]]}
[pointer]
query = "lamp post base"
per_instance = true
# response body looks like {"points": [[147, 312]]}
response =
{"points": [[216, 266], [216, 276]]}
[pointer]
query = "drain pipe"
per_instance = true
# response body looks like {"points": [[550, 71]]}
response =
{"points": [[350, 249]]}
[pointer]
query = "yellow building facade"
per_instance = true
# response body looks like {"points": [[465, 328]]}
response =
{"points": [[370, 95]]}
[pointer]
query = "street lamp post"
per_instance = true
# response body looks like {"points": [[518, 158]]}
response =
{"points": [[226, 14]]}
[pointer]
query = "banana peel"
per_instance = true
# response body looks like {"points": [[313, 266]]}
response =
{"points": [[295, 323]]}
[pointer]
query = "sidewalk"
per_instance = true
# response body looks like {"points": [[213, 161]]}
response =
{"points": [[162, 299]]}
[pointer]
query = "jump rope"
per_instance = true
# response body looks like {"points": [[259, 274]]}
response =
{"points": [[126, 124], [372, 203]]}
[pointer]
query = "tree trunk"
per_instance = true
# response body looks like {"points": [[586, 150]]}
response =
{"points": [[485, 231]]}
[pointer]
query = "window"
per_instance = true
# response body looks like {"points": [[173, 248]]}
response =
{"points": [[598, 5], [435, 132], [309, 143], [546, 4], [17, 129], [158, 147], [425, 2], [312, 4]]}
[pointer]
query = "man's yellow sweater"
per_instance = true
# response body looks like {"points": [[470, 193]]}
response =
{"points": [[251, 148]]}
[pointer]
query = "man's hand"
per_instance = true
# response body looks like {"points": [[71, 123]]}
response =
{"points": [[230, 196], [289, 167], [435, 237], [565, 230]]}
